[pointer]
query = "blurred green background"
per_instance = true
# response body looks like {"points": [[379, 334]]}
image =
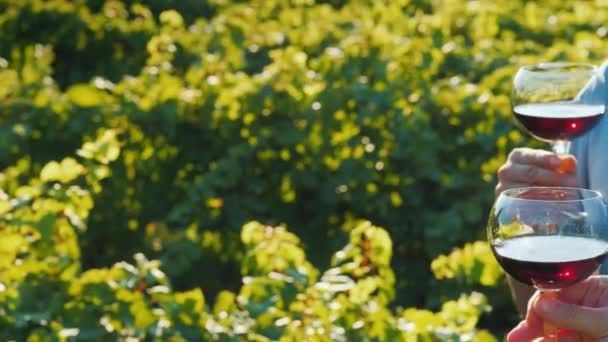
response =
{"points": [[201, 116]]}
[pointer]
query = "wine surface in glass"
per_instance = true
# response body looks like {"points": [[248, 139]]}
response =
{"points": [[557, 120], [550, 262]]}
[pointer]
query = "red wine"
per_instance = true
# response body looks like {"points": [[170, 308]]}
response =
{"points": [[557, 120], [550, 261]]}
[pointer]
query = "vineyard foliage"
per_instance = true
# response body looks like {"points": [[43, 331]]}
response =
{"points": [[141, 142], [45, 293]]}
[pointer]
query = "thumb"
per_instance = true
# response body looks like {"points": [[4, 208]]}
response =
{"points": [[587, 320]]}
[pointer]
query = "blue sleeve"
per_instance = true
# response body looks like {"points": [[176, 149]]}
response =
{"points": [[595, 91], [591, 149]]}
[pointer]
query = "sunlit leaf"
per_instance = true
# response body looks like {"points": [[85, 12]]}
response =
{"points": [[65, 171], [86, 96]]}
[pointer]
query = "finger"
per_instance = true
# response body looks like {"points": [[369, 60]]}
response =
{"points": [[524, 333], [532, 318], [540, 158], [587, 292], [561, 336], [564, 335], [568, 165], [584, 319], [535, 175], [574, 294]]}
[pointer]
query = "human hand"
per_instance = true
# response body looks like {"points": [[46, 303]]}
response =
{"points": [[526, 167], [581, 308]]}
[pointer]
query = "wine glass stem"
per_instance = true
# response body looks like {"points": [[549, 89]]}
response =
{"points": [[561, 146]]}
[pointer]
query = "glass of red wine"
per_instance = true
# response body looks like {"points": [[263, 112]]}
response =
{"points": [[546, 101], [549, 237]]}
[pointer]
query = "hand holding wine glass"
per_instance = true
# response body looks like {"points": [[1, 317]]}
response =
{"points": [[581, 308], [526, 166], [549, 237]]}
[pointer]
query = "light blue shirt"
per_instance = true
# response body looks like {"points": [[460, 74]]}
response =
{"points": [[591, 149]]}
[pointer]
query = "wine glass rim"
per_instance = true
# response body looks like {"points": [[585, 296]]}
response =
{"points": [[511, 194], [561, 67]]}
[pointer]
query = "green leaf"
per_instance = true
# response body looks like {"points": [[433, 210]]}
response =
{"points": [[105, 149], [224, 303], [85, 95], [171, 18], [65, 171], [484, 336]]}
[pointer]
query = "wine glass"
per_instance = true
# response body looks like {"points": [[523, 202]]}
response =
{"points": [[549, 237], [547, 101]]}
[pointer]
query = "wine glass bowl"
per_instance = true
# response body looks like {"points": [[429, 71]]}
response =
{"points": [[547, 101], [549, 237]]}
